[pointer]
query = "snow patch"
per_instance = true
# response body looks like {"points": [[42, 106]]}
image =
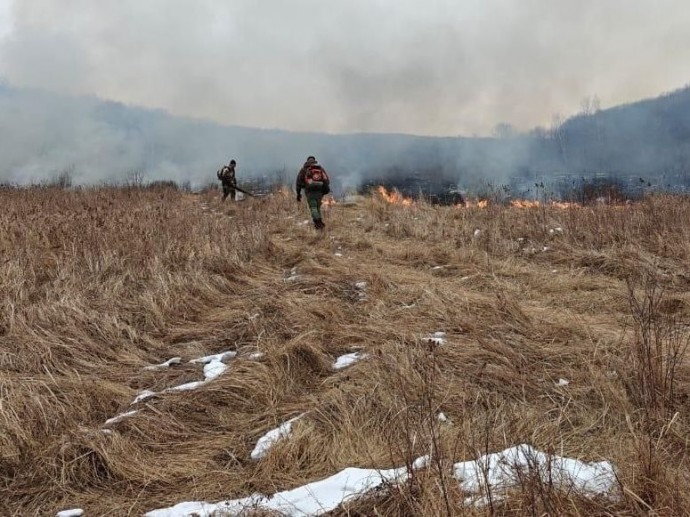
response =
{"points": [[121, 417], [215, 357], [75, 512], [264, 444], [348, 359], [146, 394], [166, 364], [188, 386], [255, 356], [562, 382], [292, 276], [477, 232], [214, 369], [361, 287], [315, 498], [442, 417], [437, 338], [499, 472]]}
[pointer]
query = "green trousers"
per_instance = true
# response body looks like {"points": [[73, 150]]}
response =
{"points": [[314, 203]]}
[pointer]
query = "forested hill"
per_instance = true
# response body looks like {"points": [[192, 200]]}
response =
{"points": [[648, 138], [44, 134]]}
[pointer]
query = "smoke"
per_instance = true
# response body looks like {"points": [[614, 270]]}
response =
{"points": [[437, 67], [428, 68]]}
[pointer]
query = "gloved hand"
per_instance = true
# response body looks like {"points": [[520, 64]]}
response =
{"points": [[299, 198]]}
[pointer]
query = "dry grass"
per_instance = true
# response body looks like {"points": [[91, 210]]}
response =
{"points": [[94, 285]]}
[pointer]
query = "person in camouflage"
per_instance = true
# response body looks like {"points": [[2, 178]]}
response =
{"points": [[316, 184], [227, 177]]}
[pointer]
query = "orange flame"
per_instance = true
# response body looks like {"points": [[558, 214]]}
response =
{"points": [[482, 203], [329, 201], [525, 203], [394, 197]]}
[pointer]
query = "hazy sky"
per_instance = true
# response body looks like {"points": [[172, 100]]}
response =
{"points": [[437, 67]]}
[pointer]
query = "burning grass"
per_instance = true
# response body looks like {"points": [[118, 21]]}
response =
{"points": [[570, 340]]}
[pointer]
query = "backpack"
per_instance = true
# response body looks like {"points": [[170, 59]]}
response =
{"points": [[226, 174], [315, 178]]}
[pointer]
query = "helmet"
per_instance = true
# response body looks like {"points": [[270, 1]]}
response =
{"points": [[232, 162]]}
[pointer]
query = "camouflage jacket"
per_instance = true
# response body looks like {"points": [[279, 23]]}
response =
{"points": [[302, 178], [227, 175]]}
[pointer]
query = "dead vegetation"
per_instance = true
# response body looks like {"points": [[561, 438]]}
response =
{"points": [[97, 284]]}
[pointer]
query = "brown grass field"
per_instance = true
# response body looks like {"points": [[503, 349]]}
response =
{"points": [[97, 284]]}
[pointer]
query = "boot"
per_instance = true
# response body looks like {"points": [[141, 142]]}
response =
{"points": [[318, 224]]}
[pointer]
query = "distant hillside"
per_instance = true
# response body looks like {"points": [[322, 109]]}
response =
{"points": [[647, 138], [44, 134]]}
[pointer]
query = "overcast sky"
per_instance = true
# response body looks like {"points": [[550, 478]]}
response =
{"points": [[434, 67]]}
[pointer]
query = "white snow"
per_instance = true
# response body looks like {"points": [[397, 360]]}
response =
{"points": [[213, 364], [146, 394], [213, 370], [361, 287], [437, 338], [337, 254], [292, 276], [272, 437], [166, 364], [188, 386], [75, 512], [497, 472], [348, 359], [442, 417], [562, 382], [315, 498], [436, 268], [215, 357], [477, 232], [121, 416], [255, 356]]}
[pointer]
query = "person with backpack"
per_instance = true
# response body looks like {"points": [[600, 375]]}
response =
{"points": [[316, 184], [227, 177]]}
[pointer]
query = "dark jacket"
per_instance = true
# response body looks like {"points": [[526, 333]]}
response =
{"points": [[227, 175], [302, 179]]}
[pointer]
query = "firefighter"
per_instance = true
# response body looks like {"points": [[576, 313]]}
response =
{"points": [[227, 177], [314, 180]]}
